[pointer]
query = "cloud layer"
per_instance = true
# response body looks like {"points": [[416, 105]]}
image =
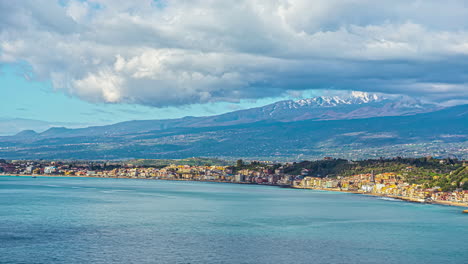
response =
{"points": [[164, 53]]}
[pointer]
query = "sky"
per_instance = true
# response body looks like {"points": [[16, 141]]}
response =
{"points": [[89, 62]]}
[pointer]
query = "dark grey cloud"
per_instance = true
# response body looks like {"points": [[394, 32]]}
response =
{"points": [[164, 53]]}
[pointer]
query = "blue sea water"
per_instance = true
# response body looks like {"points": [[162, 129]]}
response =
{"points": [[89, 220]]}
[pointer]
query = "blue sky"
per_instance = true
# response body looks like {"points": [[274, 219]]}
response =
{"points": [[104, 61], [31, 99]]}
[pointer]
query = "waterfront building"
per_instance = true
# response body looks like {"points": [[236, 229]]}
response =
{"points": [[50, 169]]}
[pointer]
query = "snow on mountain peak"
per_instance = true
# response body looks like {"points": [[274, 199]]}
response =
{"points": [[330, 101], [365, 97]]}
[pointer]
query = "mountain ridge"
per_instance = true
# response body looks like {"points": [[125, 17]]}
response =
{"points": [[438, 133], [354, 106]]}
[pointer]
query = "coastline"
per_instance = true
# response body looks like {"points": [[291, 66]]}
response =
{"points": [[402, 198]]}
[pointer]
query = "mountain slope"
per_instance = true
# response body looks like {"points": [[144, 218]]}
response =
{"points": [[357, 105], [10, 126], [441, 133]]}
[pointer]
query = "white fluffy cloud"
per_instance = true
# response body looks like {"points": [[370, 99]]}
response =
{"points": [[164, 53]]}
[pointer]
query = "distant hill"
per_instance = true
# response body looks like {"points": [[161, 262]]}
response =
{"points": [[358, 105], [11, 126], [439, 133]]}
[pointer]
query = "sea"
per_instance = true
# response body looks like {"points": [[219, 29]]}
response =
{"points": [[99, 220]]}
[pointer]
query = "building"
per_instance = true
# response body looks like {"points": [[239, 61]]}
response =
{"points": [[50, 169]]}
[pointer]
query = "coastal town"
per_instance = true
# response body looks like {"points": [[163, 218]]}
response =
{"points": [[387, 184]]}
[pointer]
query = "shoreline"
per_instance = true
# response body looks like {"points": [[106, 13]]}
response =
{"points": [[402, 198]]}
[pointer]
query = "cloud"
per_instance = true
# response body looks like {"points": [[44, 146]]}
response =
{"points": [[171, 53]]}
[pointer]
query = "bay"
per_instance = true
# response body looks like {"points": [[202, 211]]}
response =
{"points": [[95, 220]]}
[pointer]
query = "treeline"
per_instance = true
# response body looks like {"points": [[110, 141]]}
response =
{"points": [[449, 174], [341, 167], [448, 182]]}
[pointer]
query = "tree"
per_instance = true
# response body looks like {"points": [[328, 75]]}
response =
{"points": [[465, 185], [240, 163]]}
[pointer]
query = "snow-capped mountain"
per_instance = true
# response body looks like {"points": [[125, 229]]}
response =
{"points": [[331, 101], [352, 106], [356, 105], [436, 134]]}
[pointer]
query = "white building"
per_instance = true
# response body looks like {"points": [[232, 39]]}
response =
{"points": [[50, 169]]}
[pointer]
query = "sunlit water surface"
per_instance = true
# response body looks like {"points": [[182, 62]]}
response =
{"points": [[87, 220]]}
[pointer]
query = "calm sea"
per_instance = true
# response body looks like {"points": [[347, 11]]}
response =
{"points": [[86, 220]]}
